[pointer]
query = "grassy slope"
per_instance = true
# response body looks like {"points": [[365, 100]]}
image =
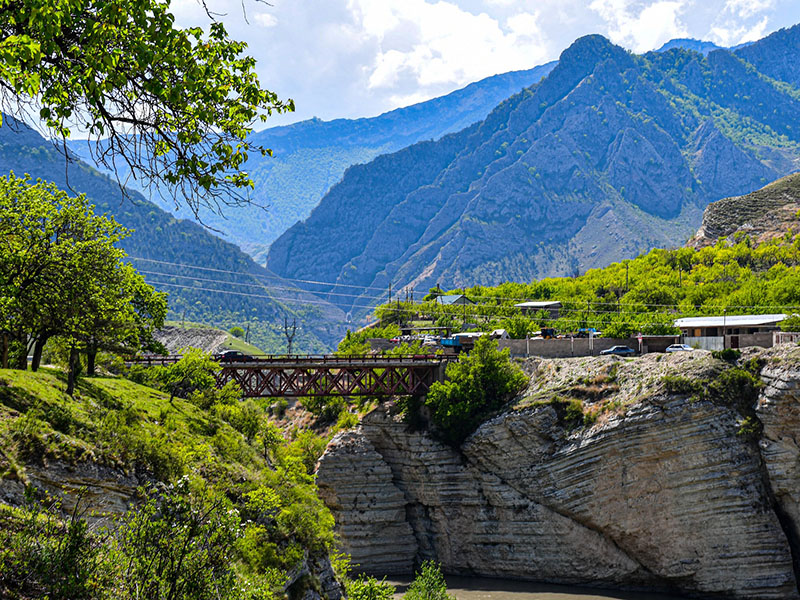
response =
{"points": [[115, 422]]}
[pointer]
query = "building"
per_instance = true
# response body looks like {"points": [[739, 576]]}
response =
{"points": [[453, 299], [729, 331], [553, 307]]}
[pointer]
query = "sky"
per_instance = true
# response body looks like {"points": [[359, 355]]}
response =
{"points": [[360, 58]]}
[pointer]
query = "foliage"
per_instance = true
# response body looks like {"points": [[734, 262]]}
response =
{"points": [[236, 513], [518, 326], [736, 276], [677, 384], [735, 387], [429, 584], [477, 384], [791, 323], [62, 274], [48, 554], [193, 373], [365, 587], [236, 332], [176, 105], [729, 354], [356, 344]]}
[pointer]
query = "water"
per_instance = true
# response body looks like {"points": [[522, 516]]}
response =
{"points": [[477, 588]]}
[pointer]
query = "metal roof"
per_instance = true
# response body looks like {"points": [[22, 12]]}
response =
{"points": [[539, 304], [452, 299], [730, 321]]}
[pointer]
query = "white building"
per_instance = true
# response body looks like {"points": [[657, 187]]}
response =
{"points": [[729, 331]]}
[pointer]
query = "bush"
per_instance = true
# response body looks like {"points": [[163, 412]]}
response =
{"points": [[369, 588], [675, 384], [477, 385], [429, 584], [734, 387], [236, 332], [729, 354]]}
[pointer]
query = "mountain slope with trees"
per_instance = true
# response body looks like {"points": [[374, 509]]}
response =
{"points": [[209, 280], [611, 154]]}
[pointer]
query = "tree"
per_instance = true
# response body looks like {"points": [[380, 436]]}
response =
{"points": [[193, 372], [62, 275], [175, 106], [478, 384]]}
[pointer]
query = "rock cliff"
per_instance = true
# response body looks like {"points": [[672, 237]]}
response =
{"points": [[662, 491]]}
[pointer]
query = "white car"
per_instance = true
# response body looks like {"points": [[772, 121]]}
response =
{"points": [[679, 348]]}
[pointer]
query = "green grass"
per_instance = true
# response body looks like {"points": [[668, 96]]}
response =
{"points": [[116, 422]]}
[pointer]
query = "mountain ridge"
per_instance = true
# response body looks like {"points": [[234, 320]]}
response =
{"points": [[636, 144]]}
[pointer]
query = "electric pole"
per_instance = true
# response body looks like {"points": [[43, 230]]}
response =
{"points": [[289, 335]]}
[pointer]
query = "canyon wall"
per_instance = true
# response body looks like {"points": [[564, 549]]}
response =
{"points": [[664, 491]]}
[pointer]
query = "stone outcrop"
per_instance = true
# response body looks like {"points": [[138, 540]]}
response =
{"points": [[666, 493]]}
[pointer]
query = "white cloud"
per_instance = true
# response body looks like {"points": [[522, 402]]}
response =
{"points": [[748, 8], [642, 28], [266, 19], [731, 35], [444, 44]]}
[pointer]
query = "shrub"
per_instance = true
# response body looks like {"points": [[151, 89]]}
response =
{"points": [[676, 384], [477, 385], [734, 387], [729, 354], [429, 584], [236, 332], [369, 588]]}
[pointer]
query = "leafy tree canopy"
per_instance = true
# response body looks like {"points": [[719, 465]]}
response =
{"points": [[175, 105]]}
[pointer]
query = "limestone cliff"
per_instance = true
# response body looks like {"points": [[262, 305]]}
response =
{"points": [[663, 491]]}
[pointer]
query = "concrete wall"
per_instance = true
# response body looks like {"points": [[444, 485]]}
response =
{"points": [[564, 348]]}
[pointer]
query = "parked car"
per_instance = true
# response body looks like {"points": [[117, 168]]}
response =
{"points": [[619, 350], [679, 348], [232, 356]]}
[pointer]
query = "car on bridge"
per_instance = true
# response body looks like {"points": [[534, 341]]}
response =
{"points": [[232, 356]]}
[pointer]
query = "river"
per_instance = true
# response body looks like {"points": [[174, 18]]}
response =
{"points": [[477, 588]]}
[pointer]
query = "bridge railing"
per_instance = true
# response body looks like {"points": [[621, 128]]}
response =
{"points": [[325, 359]]}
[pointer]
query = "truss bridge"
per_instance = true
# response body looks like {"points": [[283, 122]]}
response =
{"points": [[328, 375]]}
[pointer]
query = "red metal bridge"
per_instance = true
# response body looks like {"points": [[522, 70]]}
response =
{"points": [[291, 376]]}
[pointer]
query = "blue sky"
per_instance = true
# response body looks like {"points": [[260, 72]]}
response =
{"points": [[355, 58]]}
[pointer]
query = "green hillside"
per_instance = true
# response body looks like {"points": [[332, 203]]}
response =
{"points": [[256, 512]]}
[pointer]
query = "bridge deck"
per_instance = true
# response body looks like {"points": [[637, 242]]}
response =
{"points": [[324, 375]]}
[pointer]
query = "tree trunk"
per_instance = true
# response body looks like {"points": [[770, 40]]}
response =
{"points": [[72, 372], [91, 355], [37, 352], [21, 359]]}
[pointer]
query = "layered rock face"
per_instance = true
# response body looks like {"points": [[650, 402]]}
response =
{"points": [[664, 494]]}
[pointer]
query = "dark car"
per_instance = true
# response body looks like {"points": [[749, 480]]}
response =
{"points": [[232, 356], [619, 350]]}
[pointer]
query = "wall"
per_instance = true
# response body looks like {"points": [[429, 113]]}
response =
{"points": [[564, 348]]}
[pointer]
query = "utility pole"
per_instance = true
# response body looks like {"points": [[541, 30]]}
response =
{"points": [[626, 275], [183, 319], [289, 336], [724, 328], [247, 334]]}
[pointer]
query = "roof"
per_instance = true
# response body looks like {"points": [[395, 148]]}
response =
{"points": [[539, 304], [453, 299], [730, 321]]}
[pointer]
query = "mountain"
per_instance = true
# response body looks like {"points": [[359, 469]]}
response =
{"points": [[311, 156], [209, 280], [700, 46], [765, 214], [610, 154], [776, 55]]}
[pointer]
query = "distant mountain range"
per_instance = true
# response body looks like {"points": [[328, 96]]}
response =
{"points": [[311, 156], [209, 280], [610, 154]]}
